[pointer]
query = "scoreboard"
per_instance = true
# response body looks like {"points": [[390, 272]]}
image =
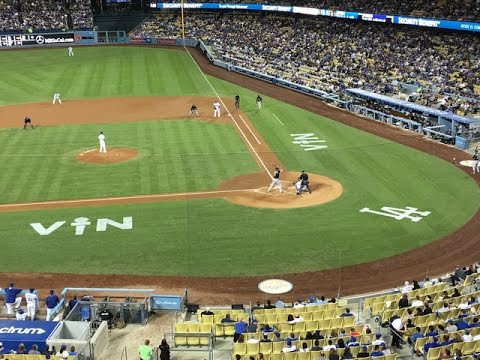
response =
{"points": [[36, 39]]}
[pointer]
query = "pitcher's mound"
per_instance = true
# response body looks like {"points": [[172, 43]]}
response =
{"points": [[324, 190], [113, 155]]}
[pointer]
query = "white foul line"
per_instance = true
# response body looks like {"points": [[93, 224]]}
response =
{"points": [[280, 121], [230, 114], [248, 127], [151, 196]]}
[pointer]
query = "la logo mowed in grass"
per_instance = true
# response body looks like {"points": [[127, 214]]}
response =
{"points": [[81, 223]]}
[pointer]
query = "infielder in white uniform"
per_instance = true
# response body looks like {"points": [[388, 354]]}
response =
{"points": [[476, 162], [70, 51], [216, 109], [32, 303], [56, 97], [276, 180], [101, 140]]}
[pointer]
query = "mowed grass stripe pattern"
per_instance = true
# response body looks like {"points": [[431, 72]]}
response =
{"points": [[174, 156], [98, 72]]}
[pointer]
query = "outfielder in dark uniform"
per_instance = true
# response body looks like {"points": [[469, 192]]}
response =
{"points": [[26, 122], [237, 102], [194, 110]]}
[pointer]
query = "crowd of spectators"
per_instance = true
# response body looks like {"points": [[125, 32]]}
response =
{"points": [[45, 15], [466, 10], [332, 54]]}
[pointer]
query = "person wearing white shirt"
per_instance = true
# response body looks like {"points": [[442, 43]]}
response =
{"points": [[216, 109], [32, 303], [289, 347], [417, 302], [21, 315], [101, 139], [464, 304], [297, 318], [56, 97], [406, 287], [329, 346], [252, 340], [70, 51], [467, 337]]}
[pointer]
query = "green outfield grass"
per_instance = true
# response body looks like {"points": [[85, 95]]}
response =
{"points": [[207, 237]]}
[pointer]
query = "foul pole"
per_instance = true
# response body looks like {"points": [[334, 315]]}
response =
{"points": [[183, 26]]}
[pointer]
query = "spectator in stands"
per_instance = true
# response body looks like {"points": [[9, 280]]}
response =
{"points": [[297, 318], [329, 346], [417, 302], [238, 357], [353, 341], [354, 332], [269, 305], [347, 354], [461, 324], [277, 337], [458, 275], [72, 302], [427, 282], [207, 311], [227, 319], [407, 287], [415, 285], [279, 304], [416, 335], [308, 336], [378, 339], [299, 304], [252, 326], [333, 355], [145, 351], [431, 331], [475, 323], [316, 346], [34, 350], [346, 313], [430, 345], [456, 293], [403, 302], [367, 337], [396, 328], [446, 354], [12, 300], [318, 335], [427, 310], [443, 309], [340, 344], [267, 328], [451, 326], [342, 333], [441, 329], [260, 356], [265, 338], [363, 353], [458, 354], [467, 337], [240, 328], [72, 351], [51, 303], [241, 339], [21, 349], [446, 340], [252, 339], [258, 306], [304, 347], [289, 347], [376, 351]]}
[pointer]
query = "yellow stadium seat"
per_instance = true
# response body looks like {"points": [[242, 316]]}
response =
{"points": [[468, 348], [181, 328], [307, 316], [336, 323], [270, 318], [391, 356], [240, 348], [317, 315], [207, 319], [348, 321], [433, 353], [193, 328], [290, 356], [276, 356], [311, 325], [265, 347], [324, 324], [304, 356], [260, 318], [329, 314], [299, 326], [229, 329], [277, 347], [252, 348], [217, 319], [219, 330]]}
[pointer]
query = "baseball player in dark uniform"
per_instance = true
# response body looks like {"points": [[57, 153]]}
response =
{"points": [[237, 101], [303, 183], [26, 122], [276, 179], [194, 110]]}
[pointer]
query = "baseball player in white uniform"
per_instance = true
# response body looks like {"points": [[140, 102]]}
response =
{"points": [[21, 315], [70, 51], [276, 180], [216, 109], [56, 97], [32, 303], [101, 140], [476, 162]]}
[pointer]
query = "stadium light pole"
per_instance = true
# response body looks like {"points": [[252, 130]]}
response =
{"points": [[183, 26]]}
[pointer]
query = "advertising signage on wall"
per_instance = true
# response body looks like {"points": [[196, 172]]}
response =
{"points": [[403, 20], [36, 39]]}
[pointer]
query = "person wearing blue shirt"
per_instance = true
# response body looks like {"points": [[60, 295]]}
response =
{"points": [[12, 299], [72, 302], [376, 351], [416, 335], [51, 302], [240, 327], [431, 331], [474, 323], [446, 340], [431, 345], [461, 324]]}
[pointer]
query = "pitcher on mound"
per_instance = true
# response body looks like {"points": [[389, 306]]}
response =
{"points": [[276, 179]]}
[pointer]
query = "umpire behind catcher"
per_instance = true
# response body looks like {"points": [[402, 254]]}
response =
{"points": [[305, 183]]}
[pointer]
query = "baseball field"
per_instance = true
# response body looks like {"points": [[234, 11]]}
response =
{"points": [[185, 197]]}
